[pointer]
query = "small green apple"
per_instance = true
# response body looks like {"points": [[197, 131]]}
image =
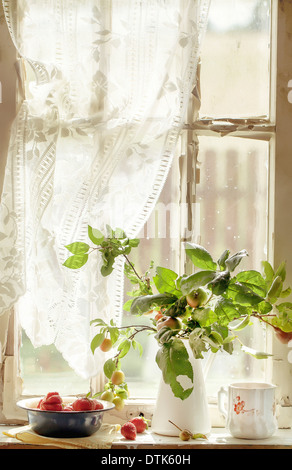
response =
{"points": [[107, 395], [185, 435], [119, 403], [118, 377], [197, 298]]}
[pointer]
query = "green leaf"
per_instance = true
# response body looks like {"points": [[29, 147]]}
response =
{"points": [[165, 334], [197, 344], [200, 257], [241, 324], [254, 353], [216, 336], [264, 307], [78, 247], [124, 347], [76, 261], [229, 339], [106, 269], [138, 346], [109, 367], [226, 311], [98, 321], [285, 308], [204, 316], [110, 232], [108, 263], [165, 281], [284, 317], [220, 283], [173, 360], [96, 341], [242, 294], [119, 234], [194, 281], [222, 260], [281, 271], [134, 242], [227, 343], [144, 303], [199, 436], [95, 235], [114, 334], [268, 272], [127, 305], [234, 260], [178, 308], [122, 393], [286, 292], [252, 280], [275, 289]]}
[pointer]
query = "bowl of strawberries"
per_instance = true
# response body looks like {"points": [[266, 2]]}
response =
{"points": [[57, 416]]}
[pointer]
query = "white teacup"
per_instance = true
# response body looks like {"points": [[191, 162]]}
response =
{"points": [[251, 409]]}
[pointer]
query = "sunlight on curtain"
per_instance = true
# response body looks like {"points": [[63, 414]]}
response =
{"points": [[106, 85]]}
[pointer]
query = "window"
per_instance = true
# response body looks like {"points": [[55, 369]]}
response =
{"points": [[229, 190], [233, 172]]}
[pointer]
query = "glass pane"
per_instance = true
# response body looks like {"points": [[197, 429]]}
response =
{"points": [[159, 241], [236, 59], [44, 370], [233, 196], [233, 205]]}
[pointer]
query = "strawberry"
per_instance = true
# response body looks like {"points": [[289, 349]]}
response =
{"points": [[82, 404], [96, 404], [128, 430], [51, 402], [53, 398], [51, 406], [68, 408], [140, 423], [52, 394], [39, 403]]}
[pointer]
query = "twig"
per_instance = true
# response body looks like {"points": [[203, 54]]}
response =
{"points": [[174, 425]]}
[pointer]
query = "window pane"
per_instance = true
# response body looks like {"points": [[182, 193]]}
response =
{"points": [[224, 368], [159, 241], [236, 59], [233, 196], [233, 207], [44, 370]]}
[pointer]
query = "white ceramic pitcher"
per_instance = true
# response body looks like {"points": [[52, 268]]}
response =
{"points": [[191, 413]]}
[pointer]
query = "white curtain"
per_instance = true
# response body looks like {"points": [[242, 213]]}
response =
{"points": [[105, 89]]}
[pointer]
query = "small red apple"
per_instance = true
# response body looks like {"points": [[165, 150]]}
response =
{"points": [[158, 316], [170, 322], [283, 336]]}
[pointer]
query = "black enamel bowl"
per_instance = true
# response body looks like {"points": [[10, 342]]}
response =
{"points": [[65, 424]]}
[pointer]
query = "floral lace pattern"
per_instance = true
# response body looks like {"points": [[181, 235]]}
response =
{"points": [[92, 144], [239, 407]]}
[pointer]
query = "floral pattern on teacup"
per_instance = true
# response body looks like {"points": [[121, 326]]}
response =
{"points": [[239, 406]]}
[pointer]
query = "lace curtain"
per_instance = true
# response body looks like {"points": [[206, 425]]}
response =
{"points": [[105, 89]]}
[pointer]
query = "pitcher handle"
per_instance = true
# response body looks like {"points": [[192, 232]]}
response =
{"points": [[222, 398]]}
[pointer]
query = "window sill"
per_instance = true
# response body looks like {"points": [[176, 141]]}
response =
{"points": [[218, 439]]}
